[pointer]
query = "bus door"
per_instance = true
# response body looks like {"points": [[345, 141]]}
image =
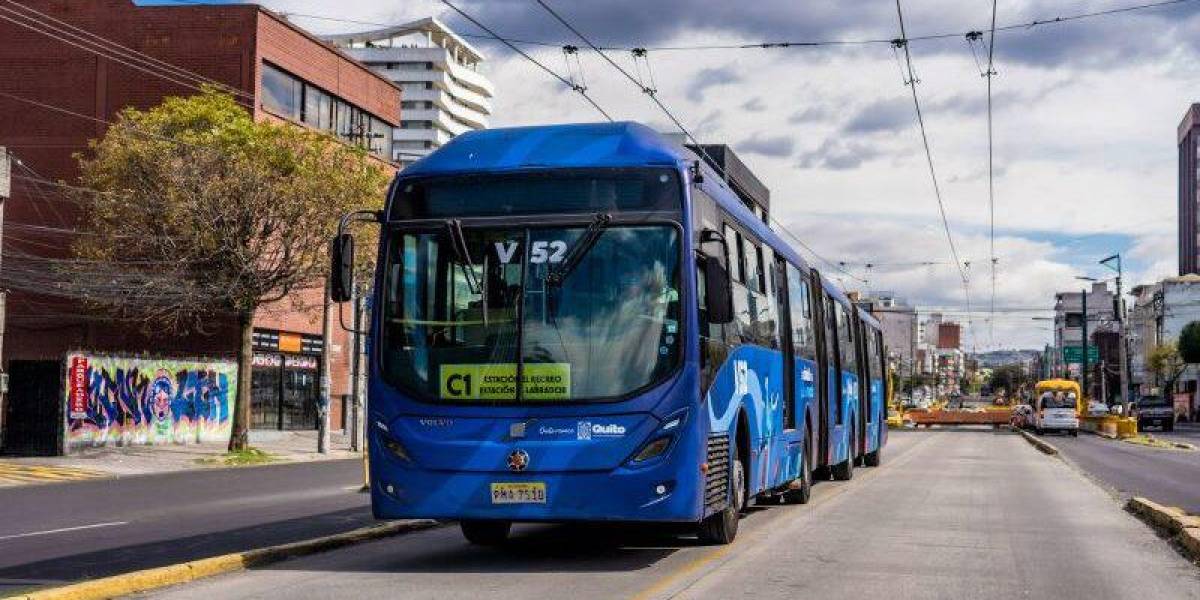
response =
{"points": [[828, 384], [789, 349], [866, 404]]}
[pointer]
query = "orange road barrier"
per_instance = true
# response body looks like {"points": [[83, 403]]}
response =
{"points": [[929, 418]]}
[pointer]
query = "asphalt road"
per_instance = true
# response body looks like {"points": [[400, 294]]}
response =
{"points": [[1165, 476], [1184, 432], [950, 514], [64, 532]]}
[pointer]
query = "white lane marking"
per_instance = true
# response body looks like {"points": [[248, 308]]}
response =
{"points": [[63, 530]]}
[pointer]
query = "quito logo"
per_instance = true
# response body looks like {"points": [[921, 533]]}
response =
{"points": [[518, 460]]}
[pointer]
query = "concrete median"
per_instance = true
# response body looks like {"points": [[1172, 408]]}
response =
{"points": [[160, 577], [1045, 447]]}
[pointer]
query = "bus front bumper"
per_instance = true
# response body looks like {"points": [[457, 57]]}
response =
{"points": [[663, 493]]}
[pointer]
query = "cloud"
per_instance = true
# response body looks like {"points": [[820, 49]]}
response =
{"points": [[708, 78], [777, 146], [754, 104], [881, 116], [810, 114], [838, 155]]}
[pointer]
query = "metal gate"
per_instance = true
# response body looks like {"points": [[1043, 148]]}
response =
{"points": [[33, 409]]}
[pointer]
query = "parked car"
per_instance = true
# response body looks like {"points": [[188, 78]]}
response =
{"points": [[1154, 411], [1097, 409]]}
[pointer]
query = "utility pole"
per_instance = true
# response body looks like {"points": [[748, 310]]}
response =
{"points": [[323, 407], [1083, 366], [5, 192], [356, 366]]}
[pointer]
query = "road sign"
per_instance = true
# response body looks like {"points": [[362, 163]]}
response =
{"points": [[1072, 355]]}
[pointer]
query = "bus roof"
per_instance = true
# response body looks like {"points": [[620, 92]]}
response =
{"points": [[621, 144]]}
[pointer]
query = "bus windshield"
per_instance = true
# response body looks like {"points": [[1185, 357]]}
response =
{"points": [[465, 327]]}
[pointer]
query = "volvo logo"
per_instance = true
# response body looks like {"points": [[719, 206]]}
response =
{"points": [[518, 460]]}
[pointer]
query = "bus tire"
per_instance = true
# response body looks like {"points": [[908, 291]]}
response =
{"points": [[844, 471], [872, 459], [486, 533], [801, 494], [721, 528]]}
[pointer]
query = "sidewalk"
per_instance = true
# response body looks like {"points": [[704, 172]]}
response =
{"points": [[283, 446]]}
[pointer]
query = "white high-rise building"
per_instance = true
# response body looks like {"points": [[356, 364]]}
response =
{"points": [[444, 94]]}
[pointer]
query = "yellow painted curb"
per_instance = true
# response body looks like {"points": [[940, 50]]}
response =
{"points": [[1189, 538], [1184, 527], [160, 577]]}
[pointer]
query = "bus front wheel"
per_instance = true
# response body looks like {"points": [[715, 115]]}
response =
{"points": [[486, 533], [722, 527]]}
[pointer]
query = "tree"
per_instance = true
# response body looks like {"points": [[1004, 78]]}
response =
{"points": [[1009, 378], [1189, 343], [1166, 363], [211, 214]]}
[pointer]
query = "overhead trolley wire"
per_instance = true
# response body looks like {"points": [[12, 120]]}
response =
{"points": [[902, 44], [937, 190], [759, 45], [652, 93], [991, 71]]}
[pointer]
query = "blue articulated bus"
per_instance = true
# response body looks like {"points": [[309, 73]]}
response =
{"points": [[584, 323]]}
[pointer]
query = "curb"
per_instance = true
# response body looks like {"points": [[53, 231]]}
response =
{"points": [[160, 577], [1184, 528], [1037, 443]]}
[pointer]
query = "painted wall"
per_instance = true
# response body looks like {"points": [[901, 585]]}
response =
{"points": [[145, 401]]}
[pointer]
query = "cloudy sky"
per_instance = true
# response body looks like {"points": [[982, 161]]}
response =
{"points": [[1085, 118]]}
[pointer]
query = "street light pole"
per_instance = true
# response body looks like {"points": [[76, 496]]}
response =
{"points": [[1083, 362], [1122, 338]]}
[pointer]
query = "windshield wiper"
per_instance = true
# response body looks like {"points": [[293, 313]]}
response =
{"points": [[558, 273], [458, 243]]}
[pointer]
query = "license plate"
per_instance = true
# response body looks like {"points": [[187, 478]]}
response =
{"points": [[533, 492]]}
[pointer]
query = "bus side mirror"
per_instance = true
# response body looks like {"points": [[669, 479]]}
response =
{"points": [[718, 295], [341, 271]]}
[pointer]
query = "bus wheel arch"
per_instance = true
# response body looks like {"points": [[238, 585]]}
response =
{"points": [[800, 491], [722, 527]]}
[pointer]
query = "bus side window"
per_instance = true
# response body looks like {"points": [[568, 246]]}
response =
{"points": [[733, 260], [803, 338]]}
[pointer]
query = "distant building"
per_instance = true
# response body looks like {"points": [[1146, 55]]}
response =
{"points": [[280, 73], [949, 336], [445, 95], [1160, 312], [1068, 321], [1188, 140], [898, 322], [1145, 333]]}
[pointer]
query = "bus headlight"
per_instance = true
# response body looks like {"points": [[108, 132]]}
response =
{"points": [[652, 450], [392, 444]]}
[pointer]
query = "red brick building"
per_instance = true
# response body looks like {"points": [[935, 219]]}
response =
{"points": [[62, 83], [949, 336]]}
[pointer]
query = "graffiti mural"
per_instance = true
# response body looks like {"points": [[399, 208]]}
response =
{"points": [[132, 401]]}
